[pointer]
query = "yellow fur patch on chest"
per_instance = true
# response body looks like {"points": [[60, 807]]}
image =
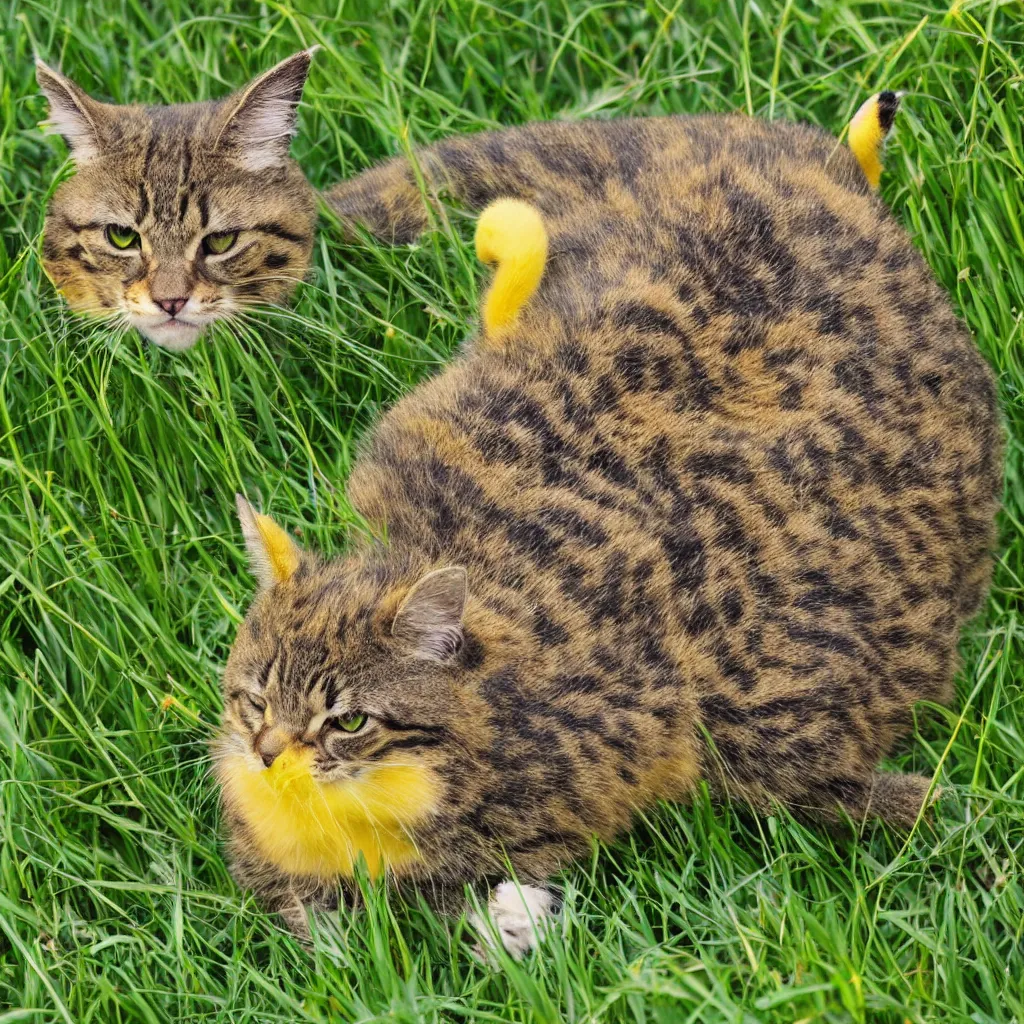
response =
{"points": [[304, 827]]}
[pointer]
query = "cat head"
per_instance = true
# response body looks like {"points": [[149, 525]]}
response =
{"points": [[355, 670], [183, 215]]}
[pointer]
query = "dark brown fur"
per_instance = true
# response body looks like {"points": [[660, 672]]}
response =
{"points": [[725, 497]]}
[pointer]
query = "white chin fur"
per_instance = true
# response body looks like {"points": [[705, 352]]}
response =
{"points": [[175, 337]]}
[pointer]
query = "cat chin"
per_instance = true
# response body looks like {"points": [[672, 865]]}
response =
{"points": [[174, 336]]}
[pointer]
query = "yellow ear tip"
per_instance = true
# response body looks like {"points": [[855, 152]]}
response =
{"points": [[868, 130], [510, 233], [281, 551]]}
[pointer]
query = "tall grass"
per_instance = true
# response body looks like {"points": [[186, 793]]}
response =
{"points": [[122, 577]]}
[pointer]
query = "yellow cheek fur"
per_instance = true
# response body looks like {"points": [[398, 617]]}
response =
{"points": [[305, 828], [511, 234]]}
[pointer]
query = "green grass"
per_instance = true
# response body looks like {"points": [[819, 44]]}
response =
{"points": [[122, 578]]}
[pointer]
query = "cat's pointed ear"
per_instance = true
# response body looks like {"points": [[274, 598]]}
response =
{"points": [[273, 555], [429, 619], [258, 123], [73, 113]]}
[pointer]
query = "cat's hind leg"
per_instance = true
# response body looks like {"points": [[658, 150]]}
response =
{"points": [[899, 799]]}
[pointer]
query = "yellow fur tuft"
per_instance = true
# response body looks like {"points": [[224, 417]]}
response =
{"points": [[510, 233], [868, 130], [307, 828], [281, 551]]}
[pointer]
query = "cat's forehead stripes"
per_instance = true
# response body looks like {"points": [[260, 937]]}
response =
{"points": [[168, 196], [174, 184], [299, 669]]}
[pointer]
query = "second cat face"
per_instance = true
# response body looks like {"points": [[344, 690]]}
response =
{"points": [[179, 216]]}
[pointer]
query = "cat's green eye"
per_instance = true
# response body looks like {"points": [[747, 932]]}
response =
{"points": [[351, 724], [121, 237], [219, 243]]}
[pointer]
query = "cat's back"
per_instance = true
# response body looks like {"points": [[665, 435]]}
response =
{"points": [[759, 243], [738, 394], [720, 292]]}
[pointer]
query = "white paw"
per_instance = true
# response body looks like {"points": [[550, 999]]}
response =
{"points": [[520, 914]]}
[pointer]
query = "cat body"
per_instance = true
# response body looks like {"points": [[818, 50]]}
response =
{"points": [[713, 506]]}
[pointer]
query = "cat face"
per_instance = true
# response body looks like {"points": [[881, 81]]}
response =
{"points": [[357, 682], [179, 216], [346, 677]]}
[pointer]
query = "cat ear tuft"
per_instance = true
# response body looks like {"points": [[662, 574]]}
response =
{"points": [[73, 114], [259, 122], [429, 620], [273, 555]]}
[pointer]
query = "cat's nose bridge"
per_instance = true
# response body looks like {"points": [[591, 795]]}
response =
{"points": [[270, 742], [170, 286]]}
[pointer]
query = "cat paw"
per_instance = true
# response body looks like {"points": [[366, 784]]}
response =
{"points": [[295, 918], [518, 915]]}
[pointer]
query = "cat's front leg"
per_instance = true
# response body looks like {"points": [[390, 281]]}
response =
{"points": [[514, 915], [518, 916], [292, 897]]}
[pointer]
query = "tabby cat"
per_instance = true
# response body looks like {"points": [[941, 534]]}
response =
{"points": [[183, 215], [713, 505]]}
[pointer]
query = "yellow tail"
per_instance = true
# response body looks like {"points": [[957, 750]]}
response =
{"points": [[868, 130], [510, 233]]}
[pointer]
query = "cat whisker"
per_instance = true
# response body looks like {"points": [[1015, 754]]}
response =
{"points": [[375, 823], [372, 786], [262, 278], [263, 314]]}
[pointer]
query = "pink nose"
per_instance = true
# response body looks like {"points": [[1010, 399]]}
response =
{"points": [[172, 306]]}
